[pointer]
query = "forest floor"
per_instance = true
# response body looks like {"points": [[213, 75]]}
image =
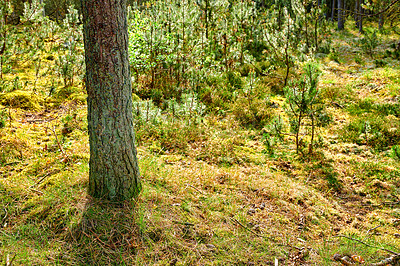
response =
{"points": [[221, 201]]}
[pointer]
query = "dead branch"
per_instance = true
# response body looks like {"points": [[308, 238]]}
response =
{"points": [[369, 230], [246, 228], [368, 245], [389, 261]]}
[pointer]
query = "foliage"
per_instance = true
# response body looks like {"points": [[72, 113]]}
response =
{"points": [[302, 102], [369, 42]]}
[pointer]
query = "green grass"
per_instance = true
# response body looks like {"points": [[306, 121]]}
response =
{"points": [[211, 196]]}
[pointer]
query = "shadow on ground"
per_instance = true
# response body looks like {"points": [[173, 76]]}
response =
{"points": [[106, 235]]}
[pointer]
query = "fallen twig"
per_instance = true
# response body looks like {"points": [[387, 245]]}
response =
{"points": [[10, 261], [183, 223], [368, 245], [389, 261], [202, 192], [385, 203], [58, 143], [248, 229], [369, 230]]}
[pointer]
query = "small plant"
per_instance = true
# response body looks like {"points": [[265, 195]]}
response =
{"points": [[272, 135], [380, 62], [302, 98], [396, 152], [3, 118], [358, 60], [369, 42], [334, 55]]}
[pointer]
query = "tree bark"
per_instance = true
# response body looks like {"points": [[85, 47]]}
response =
{"points": [[360, 15], [340, 14], [113, 167]]}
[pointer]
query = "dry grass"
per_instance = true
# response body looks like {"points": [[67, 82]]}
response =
{"points": [[218, 200]]}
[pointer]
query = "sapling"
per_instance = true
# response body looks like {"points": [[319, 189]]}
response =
{"points": [[302, 97]]}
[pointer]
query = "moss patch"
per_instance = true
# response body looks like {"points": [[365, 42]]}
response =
{"points": [[21, 99]]}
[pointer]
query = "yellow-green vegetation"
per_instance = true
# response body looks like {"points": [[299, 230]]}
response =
{"points": [[218, 187]]}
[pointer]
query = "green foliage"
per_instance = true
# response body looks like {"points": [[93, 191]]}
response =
{"points": [[172, 129], [369, 42], [380, 62], [273, 135], [3, 118], [396, 152], [376, 131], [303, 98]]}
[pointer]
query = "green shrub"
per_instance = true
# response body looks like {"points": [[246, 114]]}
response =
{"points": [[375, 131], [369, 42], [252, 111], [3, 118], [396, 152], [380, 62]]}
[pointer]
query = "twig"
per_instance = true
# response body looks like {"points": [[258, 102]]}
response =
{"points": [[44, 177], [5, 216], [12, 163], [371, 230], [183, 223], [248, 229], [368, 245], [202, 192], [388, 261], [385, 203], [58, 143], [8, 261]]}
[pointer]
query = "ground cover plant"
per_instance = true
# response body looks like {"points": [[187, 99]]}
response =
{"points": [[264, 136]]}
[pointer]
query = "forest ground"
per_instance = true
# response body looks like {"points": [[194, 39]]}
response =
{"points": [[222, 201]]}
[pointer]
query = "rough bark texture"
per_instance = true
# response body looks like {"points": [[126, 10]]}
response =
{"points": [[114, 171]]}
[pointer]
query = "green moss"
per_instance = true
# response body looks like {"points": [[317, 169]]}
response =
{"points": [[21, 99], [79, 98], [65, 92]]}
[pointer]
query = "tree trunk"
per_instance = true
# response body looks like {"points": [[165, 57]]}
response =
{"points": [[340, 14], [381, 21], [333, 11], [356, 16], [113, 167], [360, 15]]}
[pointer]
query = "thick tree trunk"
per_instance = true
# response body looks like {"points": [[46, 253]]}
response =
{"points": [[114, 171], [340, 14]]}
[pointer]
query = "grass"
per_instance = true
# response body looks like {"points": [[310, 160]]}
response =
{"points": [[216, 199]]}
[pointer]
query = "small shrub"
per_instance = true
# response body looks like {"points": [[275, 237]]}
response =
{"points": [[358, 60], [3, 118], [369, 42], [375, 131], [396, 152], [334, 55], [251, 111], [380, 62]]}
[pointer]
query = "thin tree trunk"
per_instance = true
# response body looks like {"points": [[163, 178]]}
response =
{"points": [[356, 16], [340, 15], [114, 171], [381, 21], [333, 10], [360, 15]]}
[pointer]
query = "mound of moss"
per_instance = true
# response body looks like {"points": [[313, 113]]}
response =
{"points": [[21, 99]]}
